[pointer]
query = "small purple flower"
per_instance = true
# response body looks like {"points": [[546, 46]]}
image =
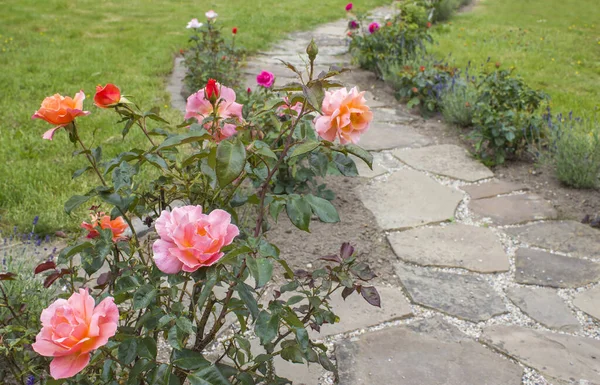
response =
{"points": [[36, 219], [30, 379]]}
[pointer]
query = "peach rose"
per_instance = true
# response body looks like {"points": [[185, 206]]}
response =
{"points": [[72, 328], [199, 107], [107, 96], [60, 111], [117, 226], [190, 239], [345, 116]]}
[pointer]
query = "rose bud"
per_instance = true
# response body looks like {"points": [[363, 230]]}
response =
{"points": [[107, 96]]}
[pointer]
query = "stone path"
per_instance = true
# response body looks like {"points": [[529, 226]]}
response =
{"points": [[489, 287]]}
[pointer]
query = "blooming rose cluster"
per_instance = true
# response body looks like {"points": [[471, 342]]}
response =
{"points": [[190, 239], [345, 116]]}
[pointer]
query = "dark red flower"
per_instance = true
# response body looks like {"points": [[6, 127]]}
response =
{"points": [[212, 90], [234, 30]]}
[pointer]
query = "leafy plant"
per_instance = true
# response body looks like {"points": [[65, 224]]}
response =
{"points": [[458, 103], [213, 192], [506, 116], [575, 150], [212, 56], [401, 37]]}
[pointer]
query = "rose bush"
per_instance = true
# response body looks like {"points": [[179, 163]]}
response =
{"points": [[212, 198]]}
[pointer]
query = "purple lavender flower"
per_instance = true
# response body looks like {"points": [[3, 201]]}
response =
{"points": [[36, 219], [30, 379]]}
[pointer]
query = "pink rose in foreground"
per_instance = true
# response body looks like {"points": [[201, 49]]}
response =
{"points": [[265, 79], [190, 239], [199, 107], [117, 226], [373, 27], [60, 111], [72, 328], [345, 116]]}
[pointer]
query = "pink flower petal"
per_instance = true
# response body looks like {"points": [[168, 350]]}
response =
{"points": [[68, 366]]}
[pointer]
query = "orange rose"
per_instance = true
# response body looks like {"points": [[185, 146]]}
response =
{"points": [[107, 96], [117, 226], [60, 111]]}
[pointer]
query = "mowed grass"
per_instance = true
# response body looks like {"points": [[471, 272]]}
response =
{"points": [[60, 46], [553, 44]]}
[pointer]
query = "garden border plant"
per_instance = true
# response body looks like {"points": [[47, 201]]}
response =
{"points": [[126, 292]]}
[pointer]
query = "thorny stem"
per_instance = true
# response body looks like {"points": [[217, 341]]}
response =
{"points": [[10, 308]]}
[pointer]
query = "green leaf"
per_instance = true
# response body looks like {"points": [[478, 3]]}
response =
{"points": [[185, 325], [175, 338], [303, 148], [69, 251], [79, 172], [208, 376], [122, 176], [188, 137], [147, 348], [189, 360], [156, 161], [245, 293], [144, 296], [314, 94], [127, 351], [360, 152], [345, 165], [263, 149], [293, 354], [298, 210], [75, 201], [139, 367], [323, 209], [266, 327], [261, 269], [231, 158], [302, 338]]}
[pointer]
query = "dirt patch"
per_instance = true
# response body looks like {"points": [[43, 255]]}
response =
{"points": [[357, 225]]}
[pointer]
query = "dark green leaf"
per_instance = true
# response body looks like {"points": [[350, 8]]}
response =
{"points": [[261, 270], [127, 351], [266, 327], [185, 325], [245, 293], [147, 348], [144, 296], [189, 360], [303, 148], [345, 165], [122, 176], [188, 137], [79, 172], [75, 201], [156, 161], [293, 354], [298, 210], [231, 158], [361, 153], [69, 251], [208, 376], [323, 209]]}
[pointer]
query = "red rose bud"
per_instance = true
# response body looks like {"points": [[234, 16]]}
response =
{"points": [[422, 68], [234, 30], [428, 25], [211, 90], [107, 96], [249, 90]]}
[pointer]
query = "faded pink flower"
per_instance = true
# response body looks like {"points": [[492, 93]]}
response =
{"points": [[199, 107], [211, 15], [345, 116], [265, 79], [373, 27], [282, 110], [194, 23], [190, 239], [72, 328]]}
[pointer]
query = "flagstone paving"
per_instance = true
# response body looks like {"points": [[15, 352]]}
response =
{"points": [[465, 307]]}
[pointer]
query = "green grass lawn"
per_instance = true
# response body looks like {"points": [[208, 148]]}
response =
{"points": [[553, 44], [60, 46]]}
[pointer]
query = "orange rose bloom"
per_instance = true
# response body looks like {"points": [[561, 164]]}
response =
{"points": [[60, 111], [117, 226], [107, 96]]}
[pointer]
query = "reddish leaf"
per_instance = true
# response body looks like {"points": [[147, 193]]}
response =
{"points": [[51, 278], [103, 279], [371, 295], [315, 327], [346, 250], [44, 266], [7, 277], [332, 258], [276, 294], [301, 273], [347, 291]]}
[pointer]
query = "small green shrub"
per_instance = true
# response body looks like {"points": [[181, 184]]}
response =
{"points": [[444, 10], [506, 116], [458, 103], [420, 81], [575, 151], [401, 37], [211, 56]]}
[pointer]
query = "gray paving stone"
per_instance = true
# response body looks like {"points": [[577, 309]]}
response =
{"points": [[430, 352], [409, 198], [513, 209], [385, 136], [463, 296], [492, 189], [371, 100], [544, 306], [467, 247], [390, 115], [569, 359], [175, 84], [446, 160], [589, 302], [536, 267], [365, 171], [564, 236], [356, 313]]}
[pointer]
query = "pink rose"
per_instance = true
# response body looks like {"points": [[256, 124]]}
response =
{"points": [[265, 79], [373, 27], [345, 115], [348, 7], [190, 239], [199, 107], [72, 328]]}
